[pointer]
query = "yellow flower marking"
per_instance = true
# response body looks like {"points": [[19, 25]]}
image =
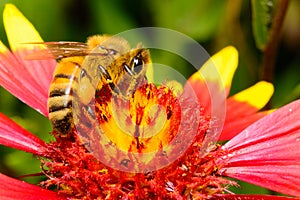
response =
{"points": [[257, 95], [3, 48], [145, 123], [18, 29], [219, 68]]}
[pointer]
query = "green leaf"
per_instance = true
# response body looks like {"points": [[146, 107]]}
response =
{"points": [[198, 19], [287, 84], [112, 16], [262, 19]]}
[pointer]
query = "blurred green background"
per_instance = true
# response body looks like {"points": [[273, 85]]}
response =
{"points": [[214, 24]]}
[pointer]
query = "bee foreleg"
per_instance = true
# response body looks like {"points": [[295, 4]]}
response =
{"points": [[104, 73], [128, 70]]}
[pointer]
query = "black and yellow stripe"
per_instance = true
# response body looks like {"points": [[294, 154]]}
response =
{"points": [[61, 95]]}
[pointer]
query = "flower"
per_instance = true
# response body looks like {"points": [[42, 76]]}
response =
{"points": [[259, 151]]}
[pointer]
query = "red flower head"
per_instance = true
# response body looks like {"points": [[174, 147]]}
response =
{"points": [[154, 144]]}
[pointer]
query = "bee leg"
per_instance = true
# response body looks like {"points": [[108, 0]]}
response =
{"points": [[108, 79], [114, 88], [133, 84], [128, 70], [104, 73], [136, 82]]}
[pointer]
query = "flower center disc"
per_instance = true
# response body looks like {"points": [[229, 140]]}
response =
{"points": [[145, 122]]}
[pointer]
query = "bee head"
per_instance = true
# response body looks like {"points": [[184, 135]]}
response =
{"points": [[139, 58]]}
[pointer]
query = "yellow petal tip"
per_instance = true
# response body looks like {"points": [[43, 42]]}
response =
{"points": [[220, 68], [18, 29], [3, 48], [258, 95], [226, 62]]}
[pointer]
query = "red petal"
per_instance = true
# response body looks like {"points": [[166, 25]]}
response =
{"points": [[239, 115], [211, 99], [15, 189], [251, 197], [207, 93], [13, 135], [28, 80], [267, 153]]}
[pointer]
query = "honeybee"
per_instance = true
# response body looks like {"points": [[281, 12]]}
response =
{"points": [[102, 60]]}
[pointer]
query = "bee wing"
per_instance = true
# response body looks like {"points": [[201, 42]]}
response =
{"points": [[58, 50]]}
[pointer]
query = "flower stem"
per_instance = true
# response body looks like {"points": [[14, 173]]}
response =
{"points": [[270, 52]]}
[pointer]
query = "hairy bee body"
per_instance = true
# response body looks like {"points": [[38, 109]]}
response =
{"points": [[61, 94], [87, 67]]}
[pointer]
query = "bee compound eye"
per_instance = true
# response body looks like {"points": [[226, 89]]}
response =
{"points": [[137, 64]]}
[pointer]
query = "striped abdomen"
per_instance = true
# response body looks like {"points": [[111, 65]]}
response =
{"points": [[61, 94]]}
